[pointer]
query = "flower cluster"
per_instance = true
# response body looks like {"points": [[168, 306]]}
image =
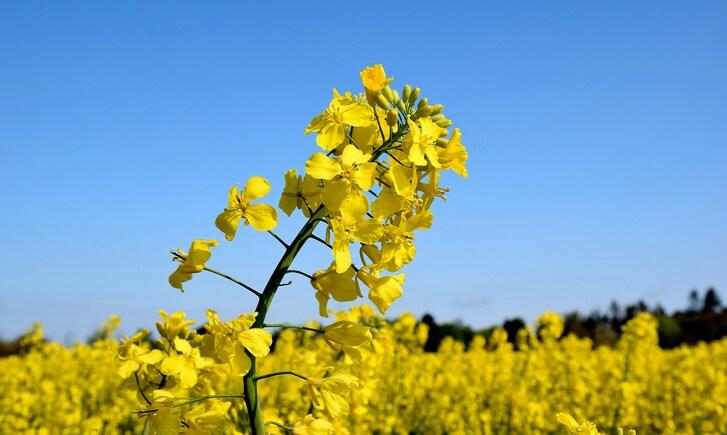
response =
{"points": [[371, 186]]}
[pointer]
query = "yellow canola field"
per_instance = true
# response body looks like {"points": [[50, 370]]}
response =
{"points": [[488, 388]]}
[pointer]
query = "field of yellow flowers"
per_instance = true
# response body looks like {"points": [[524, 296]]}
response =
{"points": [[550, 384]]}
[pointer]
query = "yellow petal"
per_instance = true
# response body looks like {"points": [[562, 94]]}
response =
{"points": [[255, 188], [416, 155], [165, 421], [334, 193], [339, 285], [347, 333], [357, 115], [182, 346], [200, 252], [257, 341], [228, 221], [374, 78], [239, 361], [420, 221], [151, 357], [354, 207], [335, 405], [127, 368], [262, 217], [368, 231], [331, 136], [386, 204], [404, 179], [188, 376], [316, 124], [342, 254], [365, 175], [322, 299], [322, 167], [352, 156], [173, 365], [289, 198], [233, 198], [178, 277], [385, 290]]}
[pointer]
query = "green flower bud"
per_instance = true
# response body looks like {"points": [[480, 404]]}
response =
{"points": [[406, 92]]}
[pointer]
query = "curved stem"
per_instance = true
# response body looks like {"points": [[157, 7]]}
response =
{"points": [[194, 400], [223, 275], [287, 372], [138, 386], [282, 426], [284, 325], [279, 239], [241, 284], [316, 238], [299, 272]]}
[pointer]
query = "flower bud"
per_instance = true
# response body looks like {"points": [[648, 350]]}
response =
{"points": [[437, 108], [381, 102], [406, 92], [422, 111], [414, 96], [424, 102], [388, 94], [444, 123], [391, 117]]}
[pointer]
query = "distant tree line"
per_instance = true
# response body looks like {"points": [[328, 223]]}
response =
{"points": [[704, 319]]}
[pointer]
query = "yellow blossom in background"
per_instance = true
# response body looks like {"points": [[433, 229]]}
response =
{"points": [[310, 425], [560, 386]]}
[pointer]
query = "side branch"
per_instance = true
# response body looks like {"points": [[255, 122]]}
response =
{"points": [[287, 372], [223, 275], [282, 242], [284, 325]]}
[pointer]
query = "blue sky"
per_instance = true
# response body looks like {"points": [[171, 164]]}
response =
{"points": [[597, 138]]}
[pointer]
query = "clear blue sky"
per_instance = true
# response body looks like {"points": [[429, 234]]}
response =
{"points": [[597, 138]]}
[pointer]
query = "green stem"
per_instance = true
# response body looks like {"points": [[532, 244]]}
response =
{"points": [[240, 283], [284, 325], [254, 409], [282, 242], [300, 272], [227, 277], [287, 372], [195, 400]]}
